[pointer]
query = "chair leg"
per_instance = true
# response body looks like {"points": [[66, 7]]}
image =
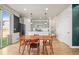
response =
{"points": [[29, 49], [51, 47], [43, 47], [46, 50], [23, 49], [38, 50], [19, 48]]}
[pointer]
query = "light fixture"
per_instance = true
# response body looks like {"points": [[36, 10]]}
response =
{"points": [[31, 15], [45, 23], [45, 13], [25, 9], [31, 23], [46, 9], [40, 18]]}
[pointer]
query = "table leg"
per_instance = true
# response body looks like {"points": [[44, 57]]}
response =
{"points": [[19, 48], [43, 46], [38, 52], [51, 46], [46, 50], [29, 48], [23, 49]]}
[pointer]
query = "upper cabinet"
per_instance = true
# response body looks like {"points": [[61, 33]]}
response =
{"points": [[16, 24]]}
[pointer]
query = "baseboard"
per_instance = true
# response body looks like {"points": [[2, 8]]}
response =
{"points": [[74, 46]]}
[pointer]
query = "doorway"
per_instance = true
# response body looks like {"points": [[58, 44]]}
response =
{"points": [[4, 27]]}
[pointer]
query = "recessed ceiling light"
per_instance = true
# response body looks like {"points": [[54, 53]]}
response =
{"points": [[25, 9], [31, 22], [45, 23], [46, 9], [40, 17]]}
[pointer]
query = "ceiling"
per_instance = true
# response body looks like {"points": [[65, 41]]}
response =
{"points": [[38, 10]]}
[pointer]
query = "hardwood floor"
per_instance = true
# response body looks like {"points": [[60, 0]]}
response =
{"points": [[59, 48]]}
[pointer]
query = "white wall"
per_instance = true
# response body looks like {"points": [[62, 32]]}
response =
{"points": [[64, 26], [27, 23]]}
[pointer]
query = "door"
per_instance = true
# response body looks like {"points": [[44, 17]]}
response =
{"points": [[4, 28], [0, 28], [75, 15]]}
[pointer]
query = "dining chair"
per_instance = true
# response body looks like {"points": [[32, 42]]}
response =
{"points": [[34, 43], [23, 43], [47, 42]]}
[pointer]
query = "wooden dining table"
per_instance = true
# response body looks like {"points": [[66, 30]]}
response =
{"points": [[40, 37]]}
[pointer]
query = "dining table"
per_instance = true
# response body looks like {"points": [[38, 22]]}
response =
{"points": [[42, 38]]}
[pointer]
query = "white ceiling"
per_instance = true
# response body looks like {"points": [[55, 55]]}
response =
{"points": [[38, 10]]}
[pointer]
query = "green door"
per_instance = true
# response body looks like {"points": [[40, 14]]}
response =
{"points": [[75, 22]]}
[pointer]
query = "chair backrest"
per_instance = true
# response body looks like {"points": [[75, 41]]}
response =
{"points": [[34, 38], [47, 37]]}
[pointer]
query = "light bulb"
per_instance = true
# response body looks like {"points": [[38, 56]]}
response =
{"points": [[46, 9], [25, 9]]}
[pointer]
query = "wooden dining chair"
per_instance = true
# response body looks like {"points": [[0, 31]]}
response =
{"points": [[34, 43], [47, 42], [23, 43]]}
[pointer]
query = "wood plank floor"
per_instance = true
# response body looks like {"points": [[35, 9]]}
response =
{"points": [[59, 48]]}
